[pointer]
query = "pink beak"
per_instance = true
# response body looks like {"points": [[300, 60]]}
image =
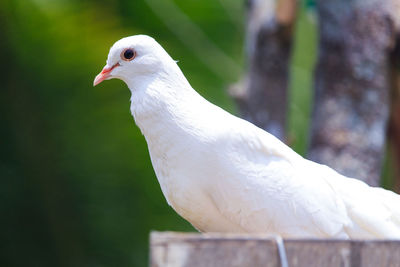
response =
{"points": [[104, 74]]}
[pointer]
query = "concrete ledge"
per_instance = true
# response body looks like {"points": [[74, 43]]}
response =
{"points": [[222, 250]]}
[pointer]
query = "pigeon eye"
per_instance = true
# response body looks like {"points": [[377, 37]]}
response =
{"points": [[128, 54]]}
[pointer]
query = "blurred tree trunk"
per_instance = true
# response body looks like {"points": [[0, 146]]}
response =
{"points": [[262, 95], [394, 121], [352, 85]]}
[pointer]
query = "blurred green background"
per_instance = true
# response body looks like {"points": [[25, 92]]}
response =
{"points": [[78, 188]]}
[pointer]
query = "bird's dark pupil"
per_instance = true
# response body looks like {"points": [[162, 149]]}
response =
{"points": [[128, 54]]}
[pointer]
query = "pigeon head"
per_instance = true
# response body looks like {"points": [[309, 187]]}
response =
{"points": [[133, 57]]}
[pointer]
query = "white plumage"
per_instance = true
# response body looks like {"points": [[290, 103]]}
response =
{"points": [[223, 174]]}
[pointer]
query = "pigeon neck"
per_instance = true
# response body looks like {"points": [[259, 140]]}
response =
{"points": [[159, 102]]}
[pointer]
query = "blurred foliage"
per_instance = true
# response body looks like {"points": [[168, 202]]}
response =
{"points": [[78, 187], [310, 3], [301, 80]]}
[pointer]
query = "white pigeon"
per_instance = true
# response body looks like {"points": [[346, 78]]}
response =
{"points": [[223, 174]]}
